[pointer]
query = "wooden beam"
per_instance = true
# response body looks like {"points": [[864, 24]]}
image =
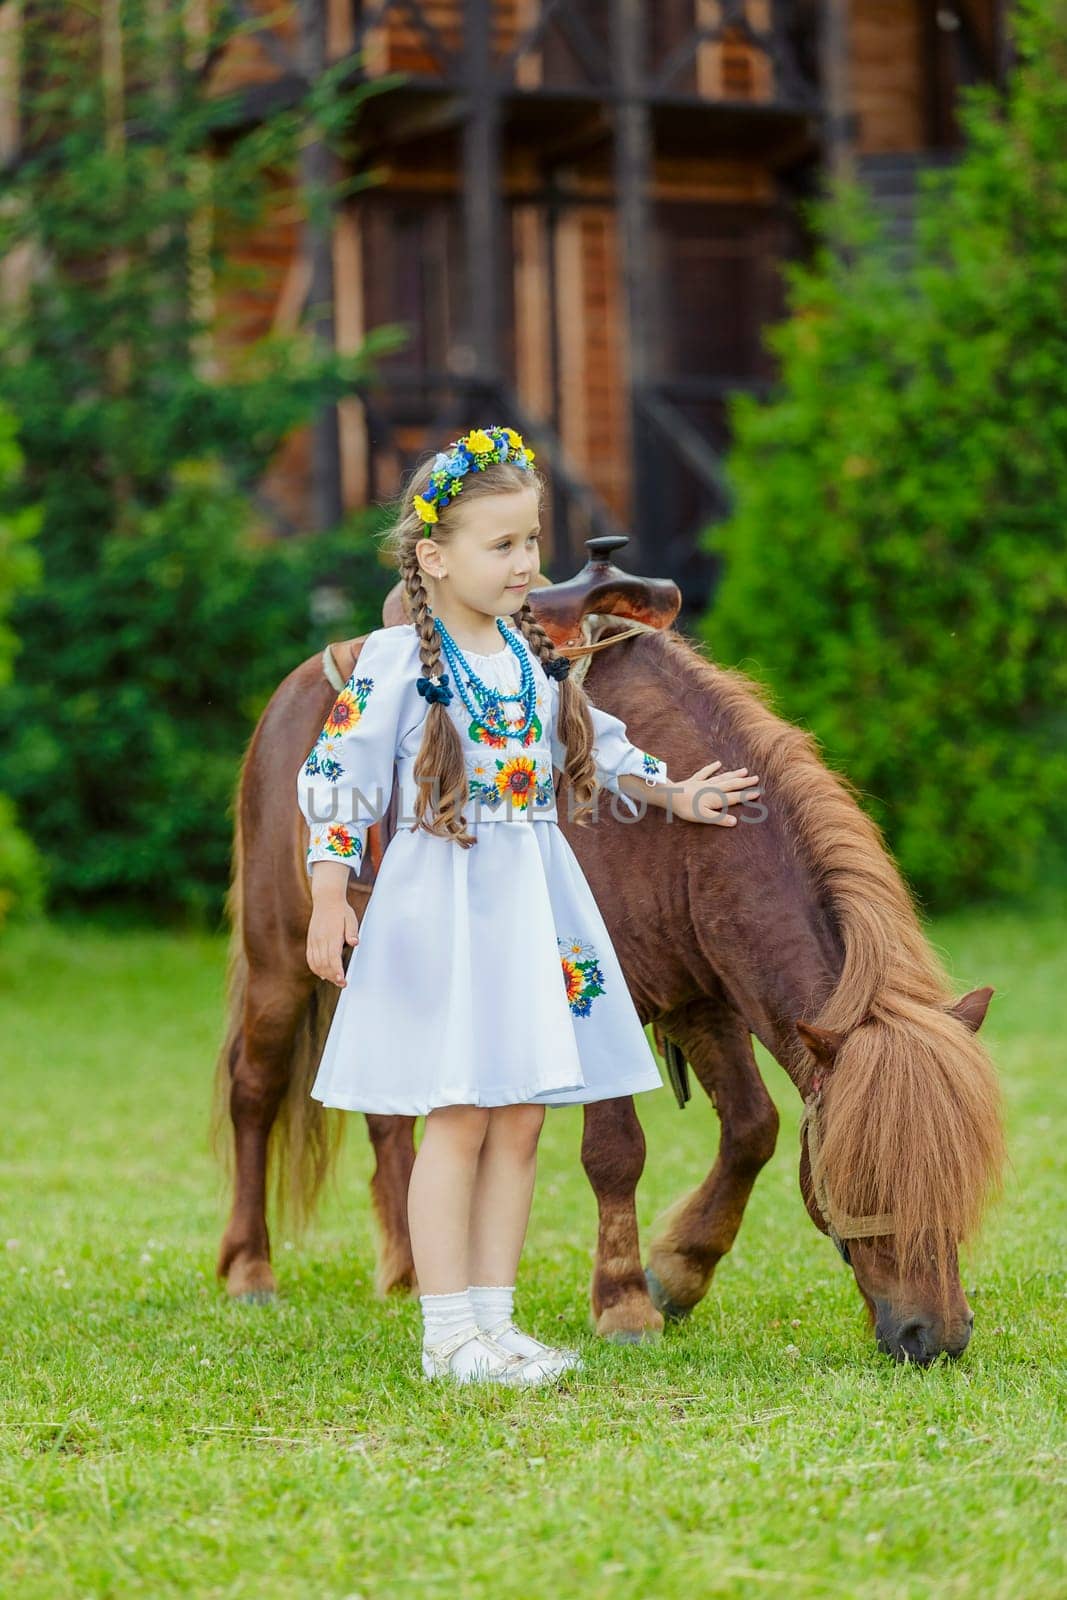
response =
{"points": [[833, 62], [370, 34], [317, 174], [481, 196], [351, 331], [420, 117], [10, 80], [17, 266], [688, 442], [258, 28], [633, 162]]}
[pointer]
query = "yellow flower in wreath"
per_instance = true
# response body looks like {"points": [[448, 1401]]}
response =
{"points": [[426, 509], [479, 443]]}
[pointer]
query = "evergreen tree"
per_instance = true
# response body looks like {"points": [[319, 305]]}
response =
{"points": [[895, 567], [168, 608]]}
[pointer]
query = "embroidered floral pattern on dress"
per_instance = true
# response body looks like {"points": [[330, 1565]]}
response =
{"points": [[338, 840], [496, 737], [650, 765], [321, 764], [345, 714], [518, 780], [581, 974]]}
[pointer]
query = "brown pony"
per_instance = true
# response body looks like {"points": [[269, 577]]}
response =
{"points": [[795, 927]]}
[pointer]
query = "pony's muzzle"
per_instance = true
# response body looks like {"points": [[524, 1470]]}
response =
{"points": [[920, 1340]]}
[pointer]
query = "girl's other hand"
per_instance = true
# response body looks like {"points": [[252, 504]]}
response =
{"points": [[333, 925], [707, 795]]}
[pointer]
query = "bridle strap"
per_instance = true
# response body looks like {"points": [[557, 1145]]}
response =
{"points": [[839, 1224]]}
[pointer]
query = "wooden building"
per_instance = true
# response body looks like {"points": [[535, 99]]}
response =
{"points": [[583, 209]]}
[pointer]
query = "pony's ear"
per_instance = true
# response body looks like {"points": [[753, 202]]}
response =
{"points": [[824, 1043], [971, 1008]]}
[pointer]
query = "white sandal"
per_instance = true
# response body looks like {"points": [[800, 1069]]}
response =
{"points": [[557, 1357], [499, 1365]]}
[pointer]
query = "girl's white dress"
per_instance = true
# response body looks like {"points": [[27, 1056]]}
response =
{"points": [[482, 976]]}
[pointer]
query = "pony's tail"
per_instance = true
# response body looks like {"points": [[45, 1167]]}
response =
{"points": [[304, 1140]]}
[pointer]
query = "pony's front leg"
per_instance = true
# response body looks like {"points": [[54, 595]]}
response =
{"points": [[694, 1235], [613, 1155]]}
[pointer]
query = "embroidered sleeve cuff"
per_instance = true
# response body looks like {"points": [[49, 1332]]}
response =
{"points": [[653, 770], [335, 842], [641, 765]]}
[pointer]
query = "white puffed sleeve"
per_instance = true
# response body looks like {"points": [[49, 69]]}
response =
{"points": [[346, 782], [613, 754]]}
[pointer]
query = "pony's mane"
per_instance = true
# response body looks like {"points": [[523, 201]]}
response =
{"points": [[911, 1114]]}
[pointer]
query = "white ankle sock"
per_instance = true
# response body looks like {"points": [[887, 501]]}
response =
{"points": [[443, 1314], [492, 1303]]}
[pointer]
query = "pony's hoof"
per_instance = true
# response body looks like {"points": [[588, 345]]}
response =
{"points": [[662, 1300], [395, 1274], [387, 1288], [250, 1278], [631, 1320], [634, 1336]]}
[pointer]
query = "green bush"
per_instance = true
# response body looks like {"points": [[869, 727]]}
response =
{"points": [[20, 570], [894, 565], [142, 679], [163, 619]]}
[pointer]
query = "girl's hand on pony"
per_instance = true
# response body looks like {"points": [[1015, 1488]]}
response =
{"points": [[333, 925], [704, 798]]}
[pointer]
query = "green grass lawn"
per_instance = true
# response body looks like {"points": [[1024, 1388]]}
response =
{"points": [[159, 1440]]}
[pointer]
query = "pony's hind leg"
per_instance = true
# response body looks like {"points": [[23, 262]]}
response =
{"points": [[613, 1155], [393, 1138], [699, 1229], [260, 1072]]}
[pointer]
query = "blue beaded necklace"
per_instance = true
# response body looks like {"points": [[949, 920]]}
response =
{"points": [[489, 713]]}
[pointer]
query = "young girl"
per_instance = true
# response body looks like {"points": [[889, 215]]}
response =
{"points": [[482, 986]]}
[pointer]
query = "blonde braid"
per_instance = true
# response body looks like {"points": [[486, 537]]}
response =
{"points": [[439, 764]]}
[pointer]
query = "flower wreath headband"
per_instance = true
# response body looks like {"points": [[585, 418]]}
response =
{"points": [[481, 448]]}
